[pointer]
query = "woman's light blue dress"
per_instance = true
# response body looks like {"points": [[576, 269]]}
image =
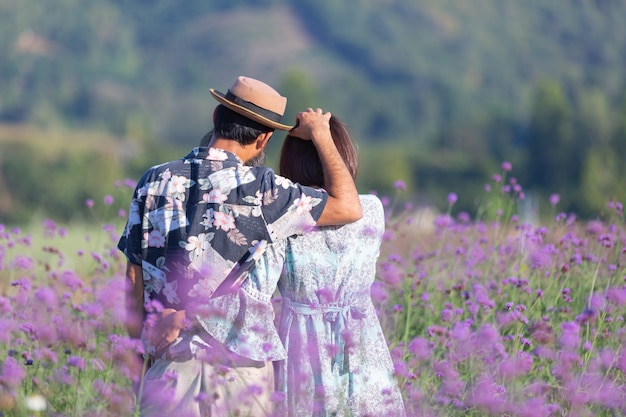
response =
{"points": [[338, 361]]}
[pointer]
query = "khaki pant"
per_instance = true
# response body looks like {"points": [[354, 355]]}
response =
{"points": [[194, 388]]}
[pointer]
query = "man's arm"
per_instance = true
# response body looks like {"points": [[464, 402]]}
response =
{"points": [[134, 300], [343, 205]]}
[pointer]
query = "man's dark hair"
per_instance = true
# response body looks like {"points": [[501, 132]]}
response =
{"points": [[231, 125]]}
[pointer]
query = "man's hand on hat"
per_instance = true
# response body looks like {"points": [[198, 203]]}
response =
{"points": [[311, 124]]}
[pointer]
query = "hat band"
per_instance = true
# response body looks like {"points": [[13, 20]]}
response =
{"points": [[268, 114]]}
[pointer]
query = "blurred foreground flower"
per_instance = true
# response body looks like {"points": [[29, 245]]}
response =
{"points": [[36, 402]]}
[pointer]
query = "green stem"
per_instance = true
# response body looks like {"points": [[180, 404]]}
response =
{"points": [[144, 368], [407, 301]]}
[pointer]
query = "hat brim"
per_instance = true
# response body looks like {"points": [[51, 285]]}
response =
{"points": [[248, 113]]}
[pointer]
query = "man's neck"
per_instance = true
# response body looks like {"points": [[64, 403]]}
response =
{"points": [[231, 146]]}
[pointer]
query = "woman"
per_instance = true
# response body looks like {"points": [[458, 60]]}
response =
{"points": [[338, 360]]}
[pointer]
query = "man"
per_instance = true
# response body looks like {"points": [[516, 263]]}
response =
{"points": [[190, 221]]}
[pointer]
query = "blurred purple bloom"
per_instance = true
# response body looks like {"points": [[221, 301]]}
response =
{"points": [[22, 262], [537, 407], [482, 297], [464, 217], [444, 221], [130, 183], [23, 283], [89, 202], [47, 296], [515, 366], [391, 273], [617, 296], [77, 362], [488, 396], [49, 227], [541, 257], [420, 348], [595, 227], [554, 199], [71, 280], [108, 200], [452, 198], [399, 185], [570, 339], [506, 166], [12, 373], [378, 292]]}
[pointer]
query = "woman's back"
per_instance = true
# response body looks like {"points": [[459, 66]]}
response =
{"points": [[335, 264], [338, 360]]}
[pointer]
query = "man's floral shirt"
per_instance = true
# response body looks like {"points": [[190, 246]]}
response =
{"points": [[191, 219]]}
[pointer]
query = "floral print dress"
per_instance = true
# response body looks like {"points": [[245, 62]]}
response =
{"points": [[338, 362]]}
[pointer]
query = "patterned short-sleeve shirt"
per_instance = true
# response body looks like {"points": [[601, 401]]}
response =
{"points": [[191, 219]]}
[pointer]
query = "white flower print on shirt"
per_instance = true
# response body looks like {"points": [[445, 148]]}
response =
{"points": [[165, 175], [202, 288], [284, 182], [177, 185], [196, 245], [169, 291], [155, 239], [223, 221], [304, 204], [217, 154], [215, 196]]}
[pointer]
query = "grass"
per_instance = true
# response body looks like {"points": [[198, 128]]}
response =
{"points": [[484, 315]]}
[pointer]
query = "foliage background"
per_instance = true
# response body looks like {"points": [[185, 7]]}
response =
{"points": [[436, 93]]}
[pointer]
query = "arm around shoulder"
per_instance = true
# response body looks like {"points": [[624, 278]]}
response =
{"points": [[339, 211], [343, 205]]}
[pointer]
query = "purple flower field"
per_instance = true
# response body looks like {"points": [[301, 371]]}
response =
{"points": [[485, 315]]}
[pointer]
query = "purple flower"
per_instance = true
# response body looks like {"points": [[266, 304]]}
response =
{"points": [[23, 283], [488, 396], [506, 166], [541, 258], [130, 183], [391, 273], [452, 198], [77, 362], [47, 296], [420, 348], [12, 373], [464, 217], [554, 199], [516, 366], [570, 340], [22, 262], [108, 200], [71, 280], [399, 185], [444, 221], [595, 227], [89, 202], [49, 227], [378, 292]]}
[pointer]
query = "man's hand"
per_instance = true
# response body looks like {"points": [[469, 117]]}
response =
{"points": [[343, 204], [166, 330], [312, 124]]}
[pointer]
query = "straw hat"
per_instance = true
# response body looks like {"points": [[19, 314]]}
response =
{"points": [[255, 100]]}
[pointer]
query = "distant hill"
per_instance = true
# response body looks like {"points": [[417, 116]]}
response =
{"points": [[454, 86]]}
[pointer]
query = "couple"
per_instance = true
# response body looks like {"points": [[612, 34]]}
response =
{"points": [[193, 220]]}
